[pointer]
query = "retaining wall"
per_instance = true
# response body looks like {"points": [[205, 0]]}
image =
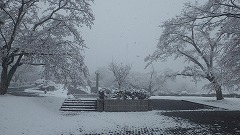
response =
{"points": [[168, 104], [115, 105]]}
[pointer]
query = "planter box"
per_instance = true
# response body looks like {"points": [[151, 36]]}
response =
{"points": [[116, 105]]}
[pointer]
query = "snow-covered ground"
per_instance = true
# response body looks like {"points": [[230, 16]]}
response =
{"points": [[41, 116]]}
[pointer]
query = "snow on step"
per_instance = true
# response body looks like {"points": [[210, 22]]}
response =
{"points": [[79, 105], [93, 107], [78, 109], [80, 101]]}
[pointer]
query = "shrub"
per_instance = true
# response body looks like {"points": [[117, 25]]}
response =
{"points": [[130, 94]]}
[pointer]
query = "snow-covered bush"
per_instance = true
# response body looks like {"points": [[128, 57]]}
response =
{"points": [[130, 94]]}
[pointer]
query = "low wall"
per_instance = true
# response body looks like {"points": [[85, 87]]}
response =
{"points": [[168, 104], [115, 105]]}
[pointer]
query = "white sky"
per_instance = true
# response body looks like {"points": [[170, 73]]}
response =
{"points": [[127, 31]]}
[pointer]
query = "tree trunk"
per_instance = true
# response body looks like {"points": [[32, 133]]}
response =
{"points": [[218, 90], [4, 81], [217, 87], [11, 73], [6, 76], [119, 85], [3, 88]]}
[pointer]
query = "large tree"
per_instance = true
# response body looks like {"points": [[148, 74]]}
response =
{"points": [[198, 42], [44, 32], [226, 14]]}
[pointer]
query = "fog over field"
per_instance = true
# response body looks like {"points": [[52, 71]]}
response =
{"points": [[128, 31]]}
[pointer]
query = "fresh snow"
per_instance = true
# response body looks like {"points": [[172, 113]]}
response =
{"points": [[41, 116]]}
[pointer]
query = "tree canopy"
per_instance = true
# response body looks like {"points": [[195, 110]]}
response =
{"points": [[44, 32]]}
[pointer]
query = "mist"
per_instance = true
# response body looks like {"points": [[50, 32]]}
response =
{"points": [[128, 31]]}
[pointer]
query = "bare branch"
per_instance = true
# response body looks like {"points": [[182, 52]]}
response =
{"points": [[120, 72], [9, 16], [3, 37]]}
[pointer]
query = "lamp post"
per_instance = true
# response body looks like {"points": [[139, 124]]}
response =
{"points": [[97, 81]]}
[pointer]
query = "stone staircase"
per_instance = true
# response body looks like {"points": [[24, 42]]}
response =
{"points": [[79, 105]]}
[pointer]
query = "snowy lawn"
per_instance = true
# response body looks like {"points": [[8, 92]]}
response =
{"points": [[41, 116]]}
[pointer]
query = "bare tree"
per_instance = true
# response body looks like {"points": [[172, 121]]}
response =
{"points": [[120, 71], [151, 82], [156, 82], [44, 32]]}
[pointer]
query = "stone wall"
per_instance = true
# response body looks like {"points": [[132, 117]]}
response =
{"points": [[115, 105], [168, 104], [100, 105]]}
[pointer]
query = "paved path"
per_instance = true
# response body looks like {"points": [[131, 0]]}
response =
{"points": [[199, 122], [218, 122], [136, 123], [206, 123], [156, 131]]}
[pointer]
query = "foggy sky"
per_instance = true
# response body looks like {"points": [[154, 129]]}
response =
{"points": [[127, 31]]}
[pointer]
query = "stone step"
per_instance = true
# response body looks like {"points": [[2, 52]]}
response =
{"points": [[74, 100], [79, 105], [86, 103], [76, 109], [80, 101], [84, 107], [83, 99]]}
